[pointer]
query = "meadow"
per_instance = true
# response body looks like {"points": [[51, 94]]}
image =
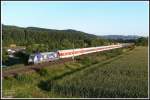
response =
{"points": [[121, 74]]}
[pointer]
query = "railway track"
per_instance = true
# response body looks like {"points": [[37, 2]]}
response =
{"points": [[14, 72]]}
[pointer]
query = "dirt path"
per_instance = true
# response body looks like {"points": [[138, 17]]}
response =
{"points": [[13, 72]]}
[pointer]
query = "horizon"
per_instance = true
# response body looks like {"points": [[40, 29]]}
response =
{"points": [[98, 18], [75, 30]]}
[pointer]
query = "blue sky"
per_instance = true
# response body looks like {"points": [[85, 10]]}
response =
{"points": [[100, 18]]}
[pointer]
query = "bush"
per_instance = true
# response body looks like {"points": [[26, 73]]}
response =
{"points": [[9, 78], [143, 41], [86, 61], [43, 72], [23, 57]]}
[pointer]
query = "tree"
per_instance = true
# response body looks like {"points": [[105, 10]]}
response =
{"points": [[52, 39], [66, 44], [143, 41], [4, 56]]}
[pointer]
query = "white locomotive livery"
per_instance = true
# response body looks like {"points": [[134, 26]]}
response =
{"points": [[51, 56], [43, 57]]}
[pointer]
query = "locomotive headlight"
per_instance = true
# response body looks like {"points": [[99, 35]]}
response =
{"points": [[30, 60]]}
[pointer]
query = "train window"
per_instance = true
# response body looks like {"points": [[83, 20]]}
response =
{"points": [[61, 54], [31, 57], [50, 56], [69, 53], [76, 52]]}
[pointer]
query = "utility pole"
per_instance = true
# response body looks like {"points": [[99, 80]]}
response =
{"points": [[73, 51]]}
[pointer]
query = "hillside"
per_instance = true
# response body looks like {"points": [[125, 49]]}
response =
{"points": [[48, 39], [138, 40], [121, 37]]}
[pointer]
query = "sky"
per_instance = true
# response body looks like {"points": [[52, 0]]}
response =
{"points": [[99, 17]]}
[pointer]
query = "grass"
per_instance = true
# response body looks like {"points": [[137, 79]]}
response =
{"points": [[13, 67], [96, 75]]}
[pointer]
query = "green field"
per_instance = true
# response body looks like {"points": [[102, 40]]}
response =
{"points": [[99, 76]]}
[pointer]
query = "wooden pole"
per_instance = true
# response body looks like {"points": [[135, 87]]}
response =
{"points": [[73, 52]]}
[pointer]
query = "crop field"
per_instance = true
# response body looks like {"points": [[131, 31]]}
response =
{"points": [[96, 76]]}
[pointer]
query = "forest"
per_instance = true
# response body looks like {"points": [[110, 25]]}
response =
{"points": [[49, 39]]}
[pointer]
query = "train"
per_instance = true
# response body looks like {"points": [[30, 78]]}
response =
{"points": [[60, 54]]}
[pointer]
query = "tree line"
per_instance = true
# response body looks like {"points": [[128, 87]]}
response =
{"points": [[47, 39]]}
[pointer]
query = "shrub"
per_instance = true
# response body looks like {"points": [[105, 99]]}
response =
{"points": [[86, 61], [43, 72]]}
